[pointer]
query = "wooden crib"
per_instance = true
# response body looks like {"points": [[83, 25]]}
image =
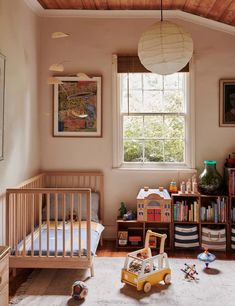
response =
{"points": [[49, 220]]}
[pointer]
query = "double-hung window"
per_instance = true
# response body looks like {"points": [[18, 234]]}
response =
{"points": [[153, 122]]}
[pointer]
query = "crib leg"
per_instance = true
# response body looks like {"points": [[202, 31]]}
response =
{"points": [[14, 272], [92, 270]]}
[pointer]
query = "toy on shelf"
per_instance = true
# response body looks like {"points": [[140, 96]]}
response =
{"points": [[173, 187], [122, 210], [142, 270], [190, 272], [190, 187], [79, 290], [154, 205], [129, 215], [206, 257]]}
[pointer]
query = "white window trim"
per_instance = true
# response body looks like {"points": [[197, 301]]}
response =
{"points": [[189, 136]]}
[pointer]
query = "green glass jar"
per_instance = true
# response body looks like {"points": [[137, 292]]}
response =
{"points": [[210, 181]]}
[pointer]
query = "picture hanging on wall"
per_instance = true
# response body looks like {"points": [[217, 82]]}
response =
{"points": [[227, 103], [2, 93], [77, 107]]}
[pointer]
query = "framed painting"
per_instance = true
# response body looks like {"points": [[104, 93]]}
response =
{"points": [[2, 93], [77, 107], [227, 103]]}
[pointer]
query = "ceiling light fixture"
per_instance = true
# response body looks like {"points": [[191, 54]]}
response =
{"points": [[59, 35], [57, 67], [165, 47]]}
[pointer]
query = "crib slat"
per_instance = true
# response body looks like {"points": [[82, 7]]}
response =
{"points": [[40, 225], [88, 198], [17, 225], [63, 203], [48, 224], [56, 223], [71, 220], [79, 224], [24, 224], [32, 226]]}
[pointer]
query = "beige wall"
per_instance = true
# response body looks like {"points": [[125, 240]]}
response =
{"points": [[19, 43], [89, 49]]}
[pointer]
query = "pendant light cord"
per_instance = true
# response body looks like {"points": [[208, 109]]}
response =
{"points": [[161, 12]]}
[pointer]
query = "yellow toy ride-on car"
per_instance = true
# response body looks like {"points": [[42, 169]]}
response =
{"points": [[142, 270]]}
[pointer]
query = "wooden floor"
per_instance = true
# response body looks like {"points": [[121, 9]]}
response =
{"points": [[109, 250]]}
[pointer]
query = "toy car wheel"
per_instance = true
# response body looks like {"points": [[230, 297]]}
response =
{"points": [[167, 279], [147, 287]]}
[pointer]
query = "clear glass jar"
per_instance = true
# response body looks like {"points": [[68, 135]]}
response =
{"points": [[210, 181]]}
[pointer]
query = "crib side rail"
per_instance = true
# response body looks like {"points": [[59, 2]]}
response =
{"points": [[30, 230]]}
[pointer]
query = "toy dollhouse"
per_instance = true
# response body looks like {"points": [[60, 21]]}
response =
{"points": [[154, 205]]}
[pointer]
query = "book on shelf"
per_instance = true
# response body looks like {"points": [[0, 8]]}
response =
{"points": [[231, 184], [214, 212], [233, 214], [185, 211]]}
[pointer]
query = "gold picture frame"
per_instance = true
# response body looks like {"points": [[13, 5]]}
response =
{"points": [[77, 107]]}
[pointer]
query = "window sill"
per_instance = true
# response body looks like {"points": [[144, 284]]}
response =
{"points": [[155, 169]]}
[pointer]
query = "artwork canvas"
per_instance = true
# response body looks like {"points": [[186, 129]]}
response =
{"points": [[227, 103], [77, 107], [2, 89]]}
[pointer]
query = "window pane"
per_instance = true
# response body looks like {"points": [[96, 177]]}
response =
{"points": [[152, 101], [132, 127], [153, 151], [135, 81], [135, 101], [152, 81], [173, 101], [174, 127], [133, 151], [153, 126], [174, 150], [124, 101], [171, 81]]}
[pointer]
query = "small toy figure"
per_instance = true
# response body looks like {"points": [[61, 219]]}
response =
{"points": [[183, 187], [79, 290], [129, 215], [207, 257], [122, 210], [190, 272], [75, 217], [188, 186], [194, 185]]}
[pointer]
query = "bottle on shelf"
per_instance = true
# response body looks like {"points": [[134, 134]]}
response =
{"points": [[210, 181]]}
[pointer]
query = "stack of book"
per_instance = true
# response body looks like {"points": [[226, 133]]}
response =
{"points": [[185, 211], [215, 212], [233, 214], [231, 185]]}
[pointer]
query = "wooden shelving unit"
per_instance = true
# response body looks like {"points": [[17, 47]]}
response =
{"points": [[139, 228]]}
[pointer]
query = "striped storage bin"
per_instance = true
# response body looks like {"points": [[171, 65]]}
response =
{"points": [[186, 236], [233, 238], [214, 239]]}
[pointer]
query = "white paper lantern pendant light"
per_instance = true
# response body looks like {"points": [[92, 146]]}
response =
{"points": [[165, 47]]}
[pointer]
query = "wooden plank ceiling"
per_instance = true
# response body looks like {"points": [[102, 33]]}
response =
{"points": [[219, 10]]}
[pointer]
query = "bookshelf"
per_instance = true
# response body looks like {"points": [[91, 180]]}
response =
{"points": [[202, 213]]}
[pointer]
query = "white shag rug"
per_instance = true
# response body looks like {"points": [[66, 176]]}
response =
{"points": [[52, 287]]}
